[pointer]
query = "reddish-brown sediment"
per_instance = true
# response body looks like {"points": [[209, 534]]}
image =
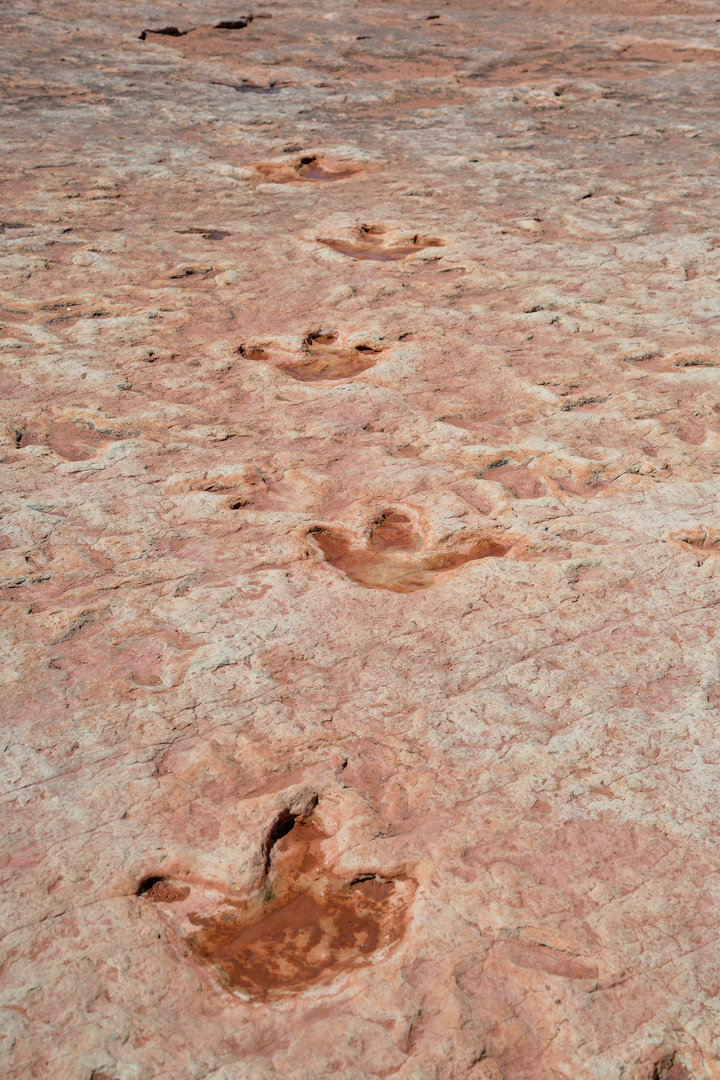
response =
{"points": [[312, 936], [373, 242], [321, 357], [391, 556], [317, 169], [164, 892], [308, 924], [325, 359], [677, 1071], [308, 169]]}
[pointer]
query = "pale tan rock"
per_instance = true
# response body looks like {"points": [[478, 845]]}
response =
{"points": [[359, 581]]}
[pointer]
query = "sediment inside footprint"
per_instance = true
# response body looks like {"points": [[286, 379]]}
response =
{"points": [[316, 168], [313, 935], [372, 243], [393, 531], [313, 926], [392, 558], [308, 169], [324, 358]]}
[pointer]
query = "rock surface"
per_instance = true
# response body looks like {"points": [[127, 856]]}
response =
{"points": [[359, 543]]}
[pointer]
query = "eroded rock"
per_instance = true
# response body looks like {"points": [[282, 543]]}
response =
{"points": [[358, 581]]}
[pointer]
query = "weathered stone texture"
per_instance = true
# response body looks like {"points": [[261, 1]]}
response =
{"points": [[359, 540]]}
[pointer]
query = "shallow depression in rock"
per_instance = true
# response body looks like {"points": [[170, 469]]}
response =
{"points": [[391, 558], [394, 532], [312, 168], [320, 932], [324, 358], [305, 926], [74, 442], [315, 169], [372, 242]]}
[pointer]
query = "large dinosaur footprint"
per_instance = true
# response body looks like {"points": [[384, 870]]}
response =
{"points": [[304, 925]]}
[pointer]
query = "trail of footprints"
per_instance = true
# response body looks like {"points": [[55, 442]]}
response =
{"points": [[305, 924]]}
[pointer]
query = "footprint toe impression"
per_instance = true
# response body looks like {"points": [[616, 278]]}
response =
{"points": [[306, 927], [392, 556], [393, 531]]}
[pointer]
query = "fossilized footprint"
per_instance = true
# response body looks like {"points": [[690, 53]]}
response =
{"points": [[305, 925], [391, 555]]}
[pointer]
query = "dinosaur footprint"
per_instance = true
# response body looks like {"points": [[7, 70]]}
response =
{"points": [[392, 555], [304, 926], [308, 168], [74, 442], [323, 357], [372, 242]]}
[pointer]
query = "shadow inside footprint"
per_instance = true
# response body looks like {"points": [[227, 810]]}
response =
{"points": [[167, 31], [372, 243], [392, 557], [73, 442], [325, 359], [314, 168], [207, 234], [233, 24], [308, 926], [250, 88]]}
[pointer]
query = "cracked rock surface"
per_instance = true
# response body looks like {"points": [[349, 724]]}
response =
{"points": [[359, 540]]}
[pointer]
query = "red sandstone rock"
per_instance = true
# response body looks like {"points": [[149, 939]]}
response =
{"points": [[358, 541]]}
